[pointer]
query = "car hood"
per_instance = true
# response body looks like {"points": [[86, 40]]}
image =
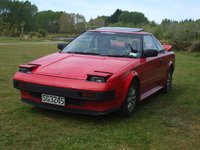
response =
{"points": [[79, 66]]}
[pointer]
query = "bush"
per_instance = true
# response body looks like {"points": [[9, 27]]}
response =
{"points": [[33, 34], [195, 47], [15, 33], [42, 32], [181, 45]]}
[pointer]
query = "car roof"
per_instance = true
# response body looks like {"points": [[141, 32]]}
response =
{"points": [[120, 29]]}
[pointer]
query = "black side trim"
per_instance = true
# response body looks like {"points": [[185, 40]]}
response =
{"points": [[72, 93], [60, 108]]}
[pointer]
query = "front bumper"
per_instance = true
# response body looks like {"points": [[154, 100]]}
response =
{"points": [[64, 109], [99, 103], [100, 97], [37, 89]]}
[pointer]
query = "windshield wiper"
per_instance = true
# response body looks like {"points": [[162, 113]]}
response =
{"points": [[128, 56], [84, 53]]}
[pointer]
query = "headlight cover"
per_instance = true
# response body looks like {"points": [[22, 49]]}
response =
{"points": [[28, 68], [25, 70], [98, 79]]}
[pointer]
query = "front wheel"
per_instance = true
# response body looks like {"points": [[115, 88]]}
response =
{"points": [[131, 100]]}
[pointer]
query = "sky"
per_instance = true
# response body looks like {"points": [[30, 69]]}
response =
{"points": [[153, 9]]}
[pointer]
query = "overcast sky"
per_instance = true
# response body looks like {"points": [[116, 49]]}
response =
{"points": [[153, 9]]}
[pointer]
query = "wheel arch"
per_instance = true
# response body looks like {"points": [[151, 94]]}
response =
{"points": [[132, 77], [171, 66]]}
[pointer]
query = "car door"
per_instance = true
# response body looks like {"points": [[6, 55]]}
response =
{"points": [[162, 56], [150, 69]]}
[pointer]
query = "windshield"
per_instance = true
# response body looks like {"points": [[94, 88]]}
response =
{"points": [[106, 44]]}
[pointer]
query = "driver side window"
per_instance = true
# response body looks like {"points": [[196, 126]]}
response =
{"points": [[149, 43]]}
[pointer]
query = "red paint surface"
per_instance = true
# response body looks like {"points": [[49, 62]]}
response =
{"points": [[70, 71]]}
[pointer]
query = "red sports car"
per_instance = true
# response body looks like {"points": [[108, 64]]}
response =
{"points": [[102, 70]]}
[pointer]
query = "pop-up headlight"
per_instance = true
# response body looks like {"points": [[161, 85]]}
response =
{"points": [[98, 79], [28, 68], [98, 76]]}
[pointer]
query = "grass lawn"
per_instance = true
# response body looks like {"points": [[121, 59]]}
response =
{"points": [[163, 121], [14, 40]]}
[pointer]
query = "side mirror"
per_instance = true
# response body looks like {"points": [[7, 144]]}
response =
{"points": [[61, 46], [167, 47], [150, 53]]}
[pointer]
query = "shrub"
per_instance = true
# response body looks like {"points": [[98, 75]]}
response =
{"points": [[42, 32], [195, 47], [32, 34], [181, 45]]}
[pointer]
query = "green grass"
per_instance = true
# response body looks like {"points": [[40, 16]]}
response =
{"points": [[163, 121], [15, 40]]}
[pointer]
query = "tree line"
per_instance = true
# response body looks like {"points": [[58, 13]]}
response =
{"points": [[185, 30], [18, 17], [183, 35]]}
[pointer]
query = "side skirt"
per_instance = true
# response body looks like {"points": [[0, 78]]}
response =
{"points": [[150, 92]]}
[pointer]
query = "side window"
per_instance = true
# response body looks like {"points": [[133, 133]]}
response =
{"points": [[160, 48], [149, 43]]}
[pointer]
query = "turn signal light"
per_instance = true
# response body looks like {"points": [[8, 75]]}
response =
{"points": [[88, 95]]}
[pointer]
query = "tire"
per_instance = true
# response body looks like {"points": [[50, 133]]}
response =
{"points": [[168, 84], [129, 104]]}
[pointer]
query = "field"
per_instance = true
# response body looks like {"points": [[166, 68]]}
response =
{"points": [[163, 121]]}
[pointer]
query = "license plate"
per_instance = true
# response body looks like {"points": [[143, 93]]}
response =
{"points": [[53, 99]]}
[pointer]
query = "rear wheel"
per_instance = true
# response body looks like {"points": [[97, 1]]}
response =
{"points": [[168, 84], [131, 100]]}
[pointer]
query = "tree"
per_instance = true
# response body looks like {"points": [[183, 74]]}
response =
{"points": [[22, 27], [133, 17], [71, 23], [114, 18], [79, 23], [66, 23], [80, 27], [47, 20], [97, 22], [15, 12], [166, 21]]}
